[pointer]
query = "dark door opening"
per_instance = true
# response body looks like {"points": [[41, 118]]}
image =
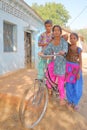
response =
{"points": [[28, 48]]}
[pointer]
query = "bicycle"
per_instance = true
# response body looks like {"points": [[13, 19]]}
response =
{"points": [[34, 101]]}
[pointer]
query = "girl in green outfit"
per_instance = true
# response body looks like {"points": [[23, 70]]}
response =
{"points": [[43, 41]]}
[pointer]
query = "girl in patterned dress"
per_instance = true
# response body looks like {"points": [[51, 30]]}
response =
{"points": [[57, 66], [74, 81], [43, 41]]}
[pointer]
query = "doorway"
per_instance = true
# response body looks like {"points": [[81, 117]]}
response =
{"points": [[28, 49]]}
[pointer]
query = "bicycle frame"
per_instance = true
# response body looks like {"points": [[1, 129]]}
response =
{"points": [[53, 84]]}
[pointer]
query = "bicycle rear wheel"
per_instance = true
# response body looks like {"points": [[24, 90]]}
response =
{"points": [[33, 105]]}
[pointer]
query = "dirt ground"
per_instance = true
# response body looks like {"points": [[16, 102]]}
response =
{"points": [[83, 102], [12, 87]]}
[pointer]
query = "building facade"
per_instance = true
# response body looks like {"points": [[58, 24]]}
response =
{"points": [[20, 27]]}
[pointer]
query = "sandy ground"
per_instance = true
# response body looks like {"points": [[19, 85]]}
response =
{"points": [[12, 87], [83, 102]]}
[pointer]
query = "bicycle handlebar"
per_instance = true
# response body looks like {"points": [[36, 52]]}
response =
{"points": [[50, 56]]}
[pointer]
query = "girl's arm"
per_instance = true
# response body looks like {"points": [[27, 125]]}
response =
{"points": [[80, 60], [80, 63], [64, 48], [48, 49], [41, 42], [42, 45]]}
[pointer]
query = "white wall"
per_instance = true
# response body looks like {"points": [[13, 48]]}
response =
{"points": [[11, 61]]}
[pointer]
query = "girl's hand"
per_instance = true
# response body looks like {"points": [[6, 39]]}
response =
{"points": [[78, 76], [40, 53], [45, 44], [61, 53]]}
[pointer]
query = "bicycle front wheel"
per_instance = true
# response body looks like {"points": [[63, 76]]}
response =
{"points": [[33, 105]]}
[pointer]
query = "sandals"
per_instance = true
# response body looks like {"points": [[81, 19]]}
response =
{"points": [[72, 107], [76, 108]]}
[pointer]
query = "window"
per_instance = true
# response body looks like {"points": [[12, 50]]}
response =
{"points": [[10, 37]]}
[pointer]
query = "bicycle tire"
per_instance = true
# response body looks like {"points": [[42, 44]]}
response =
{"points": [[33, 105]]}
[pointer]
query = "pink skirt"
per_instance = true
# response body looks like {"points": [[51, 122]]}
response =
{"points": [[72, 69], [51, 77]]}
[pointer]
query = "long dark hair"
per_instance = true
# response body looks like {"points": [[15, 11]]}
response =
{"points": [[75, 34], [57, 27]]}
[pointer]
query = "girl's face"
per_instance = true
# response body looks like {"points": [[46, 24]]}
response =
{"points": [[73, 39], [56, 32], [48, 27]]}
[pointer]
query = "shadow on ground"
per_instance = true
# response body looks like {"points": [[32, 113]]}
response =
{"points": [[56, 117]]}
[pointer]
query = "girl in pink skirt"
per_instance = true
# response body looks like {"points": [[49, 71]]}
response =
{"points": [[57, 65]]}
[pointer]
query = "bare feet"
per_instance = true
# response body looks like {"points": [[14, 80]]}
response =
{"points": [[50, 92], [62, 102], [69, 106]]}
